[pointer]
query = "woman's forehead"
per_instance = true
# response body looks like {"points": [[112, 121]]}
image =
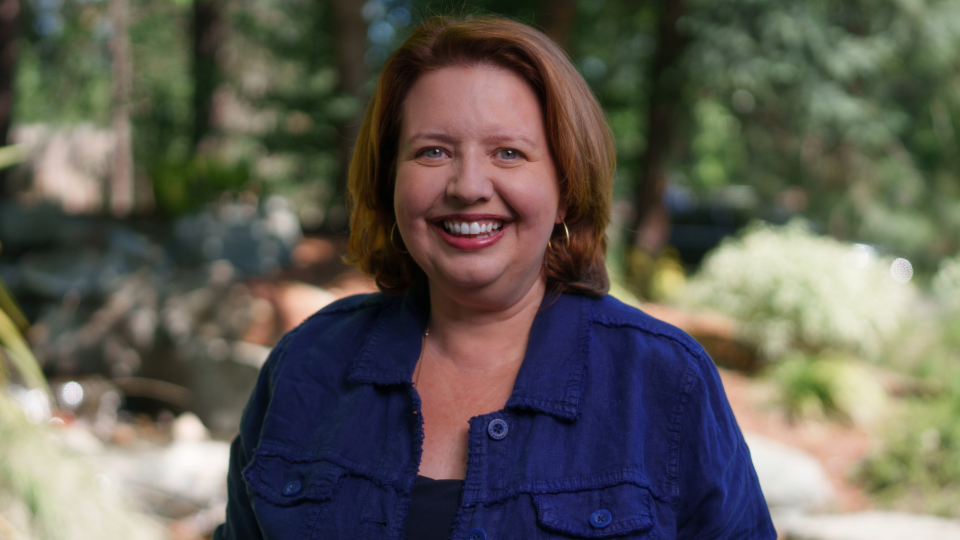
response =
{"points": [[483, 100]]}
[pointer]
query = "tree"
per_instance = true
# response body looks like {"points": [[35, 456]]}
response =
{"points": [[9, 50], [121, 183], [844, 110], [208, 34], [350, 44], [557, 19], [651, 219]]}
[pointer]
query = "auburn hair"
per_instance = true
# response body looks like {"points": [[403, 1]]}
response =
{"points": [[577, 131]]}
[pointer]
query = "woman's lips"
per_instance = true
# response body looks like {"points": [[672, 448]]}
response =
{"points": [[471, 234]]}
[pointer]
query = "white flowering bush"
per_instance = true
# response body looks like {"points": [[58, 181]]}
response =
{"points": [[946, 283], [794, 291]]}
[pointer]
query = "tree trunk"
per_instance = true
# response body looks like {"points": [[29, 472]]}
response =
{"points": [[651, 218], [557, 18], [208, 34], [350, 45], [121, 183], [9, 51]]}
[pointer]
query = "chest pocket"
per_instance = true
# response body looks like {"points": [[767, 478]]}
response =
{"points": [[285, 483], [599, 513]]}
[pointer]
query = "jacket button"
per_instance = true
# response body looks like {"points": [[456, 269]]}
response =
{"points": [[476, 534], [497, 429], [600, 519], [292, 488]]}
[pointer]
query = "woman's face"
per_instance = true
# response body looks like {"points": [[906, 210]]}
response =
{"points": [[476, 194]]}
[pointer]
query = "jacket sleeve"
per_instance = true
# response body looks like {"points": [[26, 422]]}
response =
{"points": [[720, 496], [241, 521]]}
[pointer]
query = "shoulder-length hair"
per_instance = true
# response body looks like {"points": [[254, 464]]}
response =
{"points": [[576, 128]]}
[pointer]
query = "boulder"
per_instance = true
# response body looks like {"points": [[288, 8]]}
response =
{"points": [[872, 525], [791, 479]]}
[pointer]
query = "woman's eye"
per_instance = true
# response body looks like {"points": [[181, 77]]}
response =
{"points": [[509, 154], [432, 153]]}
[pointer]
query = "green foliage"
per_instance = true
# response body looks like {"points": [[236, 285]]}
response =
{"points": [[612, 46], [289, 79], [717, 147], [162, 86], [827, 385], [946, 283], [806, 389], [181, 187], [12, 343], [63, 72], [792, 290], [47, 493], [854, 103], [918, 466], [11, 155]]}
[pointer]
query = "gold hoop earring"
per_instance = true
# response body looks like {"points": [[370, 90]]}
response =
{"points": [[392, 243], [566, 231]]}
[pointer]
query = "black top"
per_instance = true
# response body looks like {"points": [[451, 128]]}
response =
{"points": [[433, 508]]}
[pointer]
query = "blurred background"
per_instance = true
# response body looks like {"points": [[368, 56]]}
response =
{"points": [[172, 200]]}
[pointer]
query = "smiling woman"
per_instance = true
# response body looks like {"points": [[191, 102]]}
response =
{"points": [[492, 389], [473, 155]]}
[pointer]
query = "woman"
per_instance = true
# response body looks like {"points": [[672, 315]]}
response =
{"points": [[493, 391]]}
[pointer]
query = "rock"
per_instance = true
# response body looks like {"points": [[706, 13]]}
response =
{"points": [[23, 227], [174, 481], [220, 391], [188, 427], [867, 526], [790, 478], [256, 240]]}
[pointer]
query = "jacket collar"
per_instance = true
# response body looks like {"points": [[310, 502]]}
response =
{"points": [[550, 380]]}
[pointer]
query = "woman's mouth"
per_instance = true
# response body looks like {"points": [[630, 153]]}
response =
{"points": [[483, 228], [471, 233]]}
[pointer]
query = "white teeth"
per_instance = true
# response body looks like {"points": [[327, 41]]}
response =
{"points": [[474, 228]]}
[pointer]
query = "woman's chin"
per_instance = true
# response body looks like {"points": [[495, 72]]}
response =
{"points": [[484, 290]]}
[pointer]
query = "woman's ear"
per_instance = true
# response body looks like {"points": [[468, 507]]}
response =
{"points": [[561, 213]]}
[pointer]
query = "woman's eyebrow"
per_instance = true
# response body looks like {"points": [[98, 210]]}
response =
{"points": [[495, 138], [510, 137], [433, 136]]}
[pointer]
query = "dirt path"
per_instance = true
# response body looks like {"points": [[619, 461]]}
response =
{"points": [[837, 447]]}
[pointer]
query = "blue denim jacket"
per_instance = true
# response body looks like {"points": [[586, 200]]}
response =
{"points": [[617, 427]]}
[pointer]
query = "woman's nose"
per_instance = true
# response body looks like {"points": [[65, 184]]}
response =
{"points": [[472, 180]]}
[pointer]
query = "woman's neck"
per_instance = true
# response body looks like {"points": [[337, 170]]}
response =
{"points": [[480, 338]]}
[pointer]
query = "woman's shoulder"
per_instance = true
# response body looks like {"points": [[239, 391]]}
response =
{"points": [[336, 327], [633, 324], [350, 310]]}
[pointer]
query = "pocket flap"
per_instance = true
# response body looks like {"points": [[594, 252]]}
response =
{"points": [[596, 513], [285, 482]]}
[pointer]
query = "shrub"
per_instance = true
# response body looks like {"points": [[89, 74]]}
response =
{"points": [[828, 386], [918, 466], [946, 283], [796, 291], [181, 187]]}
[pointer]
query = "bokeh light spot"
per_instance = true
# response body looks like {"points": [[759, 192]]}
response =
{"points": [[901, 270], [71, 394]]}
